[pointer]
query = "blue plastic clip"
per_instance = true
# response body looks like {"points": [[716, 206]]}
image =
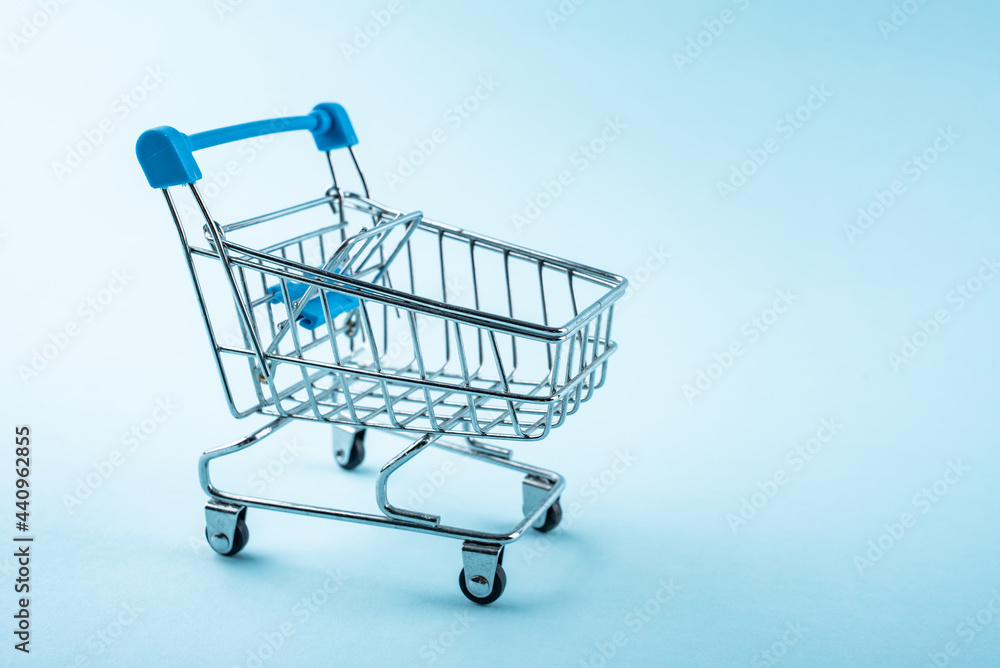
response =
{"points": [[311, 316]]}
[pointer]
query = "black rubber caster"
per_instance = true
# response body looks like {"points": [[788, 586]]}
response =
{"points": [[499, 584], [240, 541], [350, 457], [553, 516]]}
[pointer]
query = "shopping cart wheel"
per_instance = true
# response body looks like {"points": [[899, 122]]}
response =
{"points": [[240, 540], [536, 491], [499, 583], [348, 447], [225, 527], [553, 516]]}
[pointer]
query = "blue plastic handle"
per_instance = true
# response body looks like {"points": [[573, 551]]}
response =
{"points": [[167, 155], [311, 316]]}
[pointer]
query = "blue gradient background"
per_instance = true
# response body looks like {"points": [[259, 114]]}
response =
{"points": [[137, 539]]}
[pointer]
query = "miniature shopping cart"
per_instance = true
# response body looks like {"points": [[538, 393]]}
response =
{"points": [[352, 314]]}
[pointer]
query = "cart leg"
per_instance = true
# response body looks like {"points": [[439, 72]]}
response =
{"points": [[536, 492], [348, 447], [482, 579], [382, 482], [225, 527]]}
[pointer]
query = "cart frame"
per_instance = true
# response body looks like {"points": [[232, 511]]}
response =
{"points": [[345, 285]]}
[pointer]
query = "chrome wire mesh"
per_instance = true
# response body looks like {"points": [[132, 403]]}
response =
{"points": [[450, 332]]}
